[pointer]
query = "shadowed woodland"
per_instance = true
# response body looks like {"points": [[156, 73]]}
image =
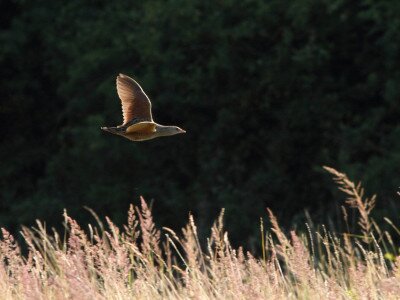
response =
{"points": [[268, 91]]}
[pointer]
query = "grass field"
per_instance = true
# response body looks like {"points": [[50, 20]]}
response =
{"points": [[141, 261]]}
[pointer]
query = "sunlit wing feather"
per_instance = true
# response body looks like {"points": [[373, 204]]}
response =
{"points": [[135, 103]]}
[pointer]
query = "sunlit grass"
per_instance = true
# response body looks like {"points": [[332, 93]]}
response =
{"points": [[143, 262]]}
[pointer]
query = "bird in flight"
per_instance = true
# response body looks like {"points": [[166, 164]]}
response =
{"points": [[138, 124]]}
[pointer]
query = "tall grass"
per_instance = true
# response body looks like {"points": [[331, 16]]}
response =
{"points": [[143, 262]]}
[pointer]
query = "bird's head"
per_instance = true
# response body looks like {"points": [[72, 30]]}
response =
{"points": [[169, 130], [177, 130]]}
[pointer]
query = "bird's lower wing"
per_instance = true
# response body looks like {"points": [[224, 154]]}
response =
{"points": [[142, 127]]}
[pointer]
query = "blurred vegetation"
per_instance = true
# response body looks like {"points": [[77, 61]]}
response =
{"points": [[268, 91]]}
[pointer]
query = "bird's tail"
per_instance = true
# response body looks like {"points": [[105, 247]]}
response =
{"points": [[114, 130]]}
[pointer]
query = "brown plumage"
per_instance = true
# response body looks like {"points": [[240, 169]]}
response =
{"points": [[138, 124]]}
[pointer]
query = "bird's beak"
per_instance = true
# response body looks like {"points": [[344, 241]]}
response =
{"points": [[183, 131]]}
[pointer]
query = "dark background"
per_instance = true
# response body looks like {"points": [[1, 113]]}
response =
{"points": [[268, 91]]}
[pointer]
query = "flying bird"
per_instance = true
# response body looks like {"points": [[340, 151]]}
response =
{"points": [[138, 124]]}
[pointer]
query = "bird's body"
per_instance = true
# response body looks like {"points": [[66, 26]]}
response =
{"points": [[146, 132], [138, 124]]}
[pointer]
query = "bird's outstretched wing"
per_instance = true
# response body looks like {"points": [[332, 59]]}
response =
{"points": [[135, 103]]}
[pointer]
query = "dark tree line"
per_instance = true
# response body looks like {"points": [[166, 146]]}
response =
{"points": [[268, 91]]}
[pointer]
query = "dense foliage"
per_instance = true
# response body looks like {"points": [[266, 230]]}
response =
{"points": [[268, 91]]}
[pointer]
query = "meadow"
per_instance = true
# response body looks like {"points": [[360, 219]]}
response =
{"points": [[141, 261]]}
